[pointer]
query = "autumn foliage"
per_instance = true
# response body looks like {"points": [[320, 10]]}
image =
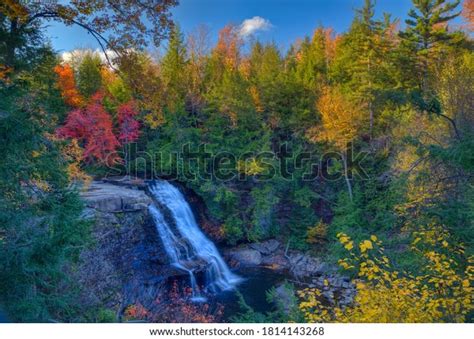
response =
{"points": [[90, 126], [4, 73], [181, 309], [228, 46], [74, 155], [136, 312], [67, 85], [93, 127], [440, 294], [341, 119]]}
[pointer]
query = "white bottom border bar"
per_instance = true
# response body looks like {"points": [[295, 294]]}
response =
{"points": [[204, 331]]}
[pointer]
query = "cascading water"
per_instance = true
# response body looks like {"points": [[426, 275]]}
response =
{"points": [[185, 243]]}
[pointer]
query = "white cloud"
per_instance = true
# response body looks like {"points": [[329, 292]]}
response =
{"points": [[75, 56], [253, 25], [69, 56]]}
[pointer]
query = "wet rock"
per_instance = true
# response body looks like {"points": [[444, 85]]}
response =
{"points": [[346, 285], [196, 265], [108, 218], [336, 282], [295, 258], [124, 263], [272, 255], [304, 270], [335, 289]]}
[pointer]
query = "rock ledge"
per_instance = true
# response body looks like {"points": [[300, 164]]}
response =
{"points": [[110, 198]]}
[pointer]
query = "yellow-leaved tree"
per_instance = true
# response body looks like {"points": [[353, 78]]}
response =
{"points": [[442, 293], [341, 121]]}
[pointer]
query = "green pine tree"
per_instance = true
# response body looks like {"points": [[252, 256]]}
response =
{"points": [[427, 31], [173, 66]]}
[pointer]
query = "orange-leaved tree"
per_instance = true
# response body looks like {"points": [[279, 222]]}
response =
{"points": [[67, 85], [228, 47]]}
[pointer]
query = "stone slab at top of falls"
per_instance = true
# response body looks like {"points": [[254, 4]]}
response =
{"points": [[111, 198]]}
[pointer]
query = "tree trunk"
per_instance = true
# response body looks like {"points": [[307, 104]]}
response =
{"points": [[346, 177]]}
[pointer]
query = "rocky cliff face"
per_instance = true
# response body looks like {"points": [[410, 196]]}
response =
{"points": [[126, 263]]}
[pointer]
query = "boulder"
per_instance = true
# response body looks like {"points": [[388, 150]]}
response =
{"points": [[246, 257], [110, 198], [335, 289]]}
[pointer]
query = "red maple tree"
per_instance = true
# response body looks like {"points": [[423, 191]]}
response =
{"points": [[93, 127]]}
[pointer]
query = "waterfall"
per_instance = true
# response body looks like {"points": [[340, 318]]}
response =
{"points": [[184, 243]]}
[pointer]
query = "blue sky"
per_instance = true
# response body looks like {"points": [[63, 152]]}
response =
{"points": [[282, 21]]}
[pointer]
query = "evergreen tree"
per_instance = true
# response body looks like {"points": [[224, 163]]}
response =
{"points": [[39, 213], [266, 81], [360, 62], [173, 68], [427, 31], [89, 78]]}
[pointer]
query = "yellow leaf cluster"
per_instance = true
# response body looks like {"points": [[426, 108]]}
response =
{"points": [[341, 118], [365, 245], [250, 167], [443, 293], [73, 154], [317, 234]]}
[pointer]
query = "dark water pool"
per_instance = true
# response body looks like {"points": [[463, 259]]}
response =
{"points": [[257, 281]]}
